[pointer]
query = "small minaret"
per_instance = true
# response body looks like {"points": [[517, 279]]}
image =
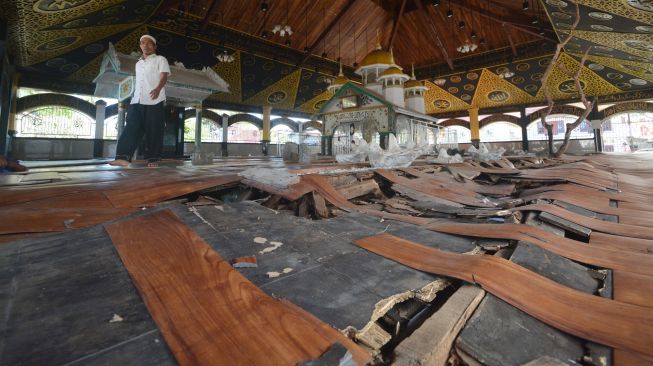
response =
{"points": [[373, 66], [338, 82], [393, 85], [414, 94]]}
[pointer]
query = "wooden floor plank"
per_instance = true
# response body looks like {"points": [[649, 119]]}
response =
{"points": [[633, 231], [209, 313], [603, 240], [633, 288], [38, 220], [609, 322], [568, 248]]}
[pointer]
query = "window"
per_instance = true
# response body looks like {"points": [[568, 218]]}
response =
{"points": [[211, 130], [349, 102], [280, 134], [55, 122], [244, 132], [500, 131]]}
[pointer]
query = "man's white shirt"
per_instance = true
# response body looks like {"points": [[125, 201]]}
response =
{"points": [[148, 75]]}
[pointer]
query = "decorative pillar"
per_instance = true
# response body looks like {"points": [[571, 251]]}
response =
{"points": [[198, 128], [100, 114], [265, 141], [598, 138], [327, 145], [596, 118], [7, 107], [474, 126], [523, 122], [384, 138], [225, 135], [122, 114]]}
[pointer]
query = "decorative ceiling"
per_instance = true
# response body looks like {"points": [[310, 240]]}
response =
{"points": [[65, 40]]}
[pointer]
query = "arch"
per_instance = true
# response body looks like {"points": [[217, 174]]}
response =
{"points": [[244, 117], [110, 111], [313, 124], [559, 109], [454, 122], [627, 107], [206, 114], [500, 131], [51, 99], [286, 122], [499, 118]]}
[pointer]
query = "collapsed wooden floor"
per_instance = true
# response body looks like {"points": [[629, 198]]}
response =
{"points": [[512, 262]]}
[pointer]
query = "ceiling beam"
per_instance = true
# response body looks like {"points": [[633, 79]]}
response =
{"points": [[512, 43], [209, 15], [521, 27], [396, 25], [326, 31], [434, 33]]}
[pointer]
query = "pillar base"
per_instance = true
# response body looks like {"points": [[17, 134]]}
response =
{"points": [[225, 149], [265, 144], [476, 143]]}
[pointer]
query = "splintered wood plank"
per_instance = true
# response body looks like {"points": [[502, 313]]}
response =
{"points": [[320, 205], [208, 312], [358, 189], [431, 343], [322, 186], [632, 231], [568, 248], [442, 191], [86, 199], [624, 326], [292, 193], [145, 192]]}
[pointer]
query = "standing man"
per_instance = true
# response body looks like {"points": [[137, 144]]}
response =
{"points": [[145, 115]]}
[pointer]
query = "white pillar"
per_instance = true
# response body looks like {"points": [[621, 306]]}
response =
{"points": [[198, 128], [100, 115]]}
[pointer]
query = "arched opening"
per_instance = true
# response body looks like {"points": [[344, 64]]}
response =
{"points": [[537, 132], [55, 122], [455, 135], [627, 132], [244, 132], [280, 134], [211, 130], [500, 131], [110, 128]]}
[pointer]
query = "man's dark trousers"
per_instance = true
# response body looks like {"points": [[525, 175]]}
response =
{"points": [[148, 120]]}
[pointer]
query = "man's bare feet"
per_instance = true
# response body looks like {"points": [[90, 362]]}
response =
{"points": [[119, 162], [153, 164]]}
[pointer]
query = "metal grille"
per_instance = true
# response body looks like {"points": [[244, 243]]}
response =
{"points": [[55, 122]]}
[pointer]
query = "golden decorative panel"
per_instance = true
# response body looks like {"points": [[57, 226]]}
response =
{"points": [[280, 94], [633, 43], [313, 105], [438, 100], [36, 45], [620, 7], [229, 72], [493, 91], [639, 69], [126, 45], [561, 86]]}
